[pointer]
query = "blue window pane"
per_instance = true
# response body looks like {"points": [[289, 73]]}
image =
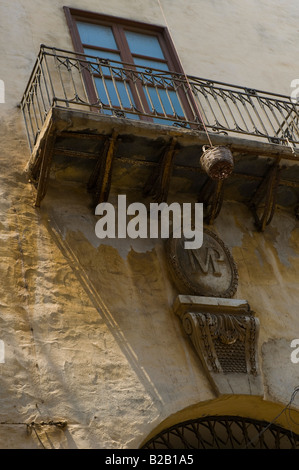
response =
{"points": [[175, 103], [144, 44], [124, 93], [159, 99], [103, 55], [96, 35], [148, 64], [101, 68]]}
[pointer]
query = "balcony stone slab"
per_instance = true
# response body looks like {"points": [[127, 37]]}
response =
{"points": [[73, 142]]}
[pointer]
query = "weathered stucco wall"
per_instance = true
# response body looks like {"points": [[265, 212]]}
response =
{"points": [[90, 337]]}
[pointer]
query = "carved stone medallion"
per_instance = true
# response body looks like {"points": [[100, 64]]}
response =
{"points": [[206, 271]]}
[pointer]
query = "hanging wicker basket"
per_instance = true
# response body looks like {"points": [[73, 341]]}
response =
{"points": [[217, 162]]}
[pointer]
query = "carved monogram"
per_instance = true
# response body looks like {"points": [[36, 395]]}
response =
{"points": [[209, 270], [209, 264]]}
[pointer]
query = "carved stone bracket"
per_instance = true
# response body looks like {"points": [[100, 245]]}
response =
{"points": [[211, 195], [100, 179], [224, 333], [265, 198], [157, 185], [39, 169]]}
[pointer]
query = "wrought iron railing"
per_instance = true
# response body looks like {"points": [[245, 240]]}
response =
{"points": [[78, 81]]}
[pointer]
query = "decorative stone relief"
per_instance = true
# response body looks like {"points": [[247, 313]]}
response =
{"points": [[209, 270], [224, 333]]}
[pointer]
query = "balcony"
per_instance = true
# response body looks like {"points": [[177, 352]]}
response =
{"points": [[111, 124]]}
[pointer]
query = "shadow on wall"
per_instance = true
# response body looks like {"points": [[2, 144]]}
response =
{"points": [[130, 291]]}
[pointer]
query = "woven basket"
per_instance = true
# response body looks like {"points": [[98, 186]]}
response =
{"points": [[217, 162]]}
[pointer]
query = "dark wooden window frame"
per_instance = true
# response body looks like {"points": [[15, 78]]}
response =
{"points": [[73, 15]]}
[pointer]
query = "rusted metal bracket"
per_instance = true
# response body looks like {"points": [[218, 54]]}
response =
{"points": [[211, 195], [158, 183], [100, 179], [265, 198]]}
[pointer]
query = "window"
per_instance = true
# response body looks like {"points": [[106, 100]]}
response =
{"points": [[137, 71]]}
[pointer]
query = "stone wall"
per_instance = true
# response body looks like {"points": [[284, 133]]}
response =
{"points": [[90, 336]]}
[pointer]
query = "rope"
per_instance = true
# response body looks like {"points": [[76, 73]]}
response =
{"points": [[186, 77], [287, 407]]}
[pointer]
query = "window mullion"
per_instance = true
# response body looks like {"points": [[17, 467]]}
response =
{"points": [[122, 44], [136, 88]]}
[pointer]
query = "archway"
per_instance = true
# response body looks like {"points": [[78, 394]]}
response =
{"points": [[228, 422], [224, 432]]}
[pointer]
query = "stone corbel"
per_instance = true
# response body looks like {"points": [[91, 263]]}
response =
{"points": [[158, 183], [264, 199], [224, 333], [211, 195]]}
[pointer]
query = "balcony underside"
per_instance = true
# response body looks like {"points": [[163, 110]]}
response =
{"points": [[160, 163]]}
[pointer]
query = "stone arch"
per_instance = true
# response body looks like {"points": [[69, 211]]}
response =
{"points": [[235, 421]]}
